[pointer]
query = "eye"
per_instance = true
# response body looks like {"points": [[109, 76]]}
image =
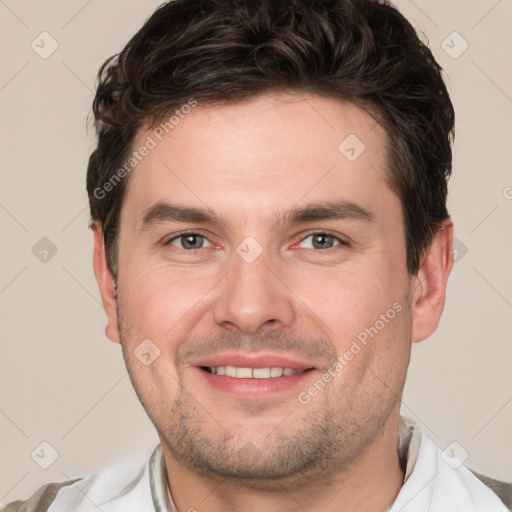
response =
{"points": [[321, 241], [189, 241]]}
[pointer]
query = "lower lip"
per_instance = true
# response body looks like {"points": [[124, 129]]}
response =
{"points": [[256, 388]]}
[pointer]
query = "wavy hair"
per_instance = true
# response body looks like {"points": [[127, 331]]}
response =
{"points": [[363, 51]]}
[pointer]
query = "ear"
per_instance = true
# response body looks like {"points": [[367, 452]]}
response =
{"points": [[428, 288], [106, 284]]}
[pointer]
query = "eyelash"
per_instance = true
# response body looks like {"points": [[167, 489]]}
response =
{"points": [[312, 233], [185, 233], [341, 241]]}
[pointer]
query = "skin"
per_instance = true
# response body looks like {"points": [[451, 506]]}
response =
{"points": [[248, 163]]}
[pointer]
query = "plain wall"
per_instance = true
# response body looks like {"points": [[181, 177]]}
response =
{"points": [[62, 381]]}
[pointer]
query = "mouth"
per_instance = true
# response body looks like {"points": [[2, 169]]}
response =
{"points": [[253, 373], [256, 376]]}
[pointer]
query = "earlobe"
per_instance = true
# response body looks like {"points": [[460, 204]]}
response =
{"points": [[428, 289], [106, 284]]}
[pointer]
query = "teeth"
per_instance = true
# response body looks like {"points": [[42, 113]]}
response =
{"points": [[261, 373], [230, 371], [276, 372], [243, 373], [253, 373]]}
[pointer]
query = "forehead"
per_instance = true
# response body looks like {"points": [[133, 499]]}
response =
{"points": [[258, 157]]}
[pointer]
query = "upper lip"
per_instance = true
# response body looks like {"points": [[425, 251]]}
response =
{"points": [[253, 360]]}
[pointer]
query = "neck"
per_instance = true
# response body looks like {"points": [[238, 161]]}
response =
{"points": [[370, 483]]}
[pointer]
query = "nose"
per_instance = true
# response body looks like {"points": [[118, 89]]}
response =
{"points": [[253, 297]]}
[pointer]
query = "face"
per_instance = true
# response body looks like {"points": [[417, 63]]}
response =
{"points": [[258, 239]]}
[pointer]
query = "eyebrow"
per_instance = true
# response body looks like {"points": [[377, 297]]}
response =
{"points": [[162, 212], [330, 210]]}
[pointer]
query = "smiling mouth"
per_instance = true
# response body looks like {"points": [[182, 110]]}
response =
{"points": [[253, 373]]}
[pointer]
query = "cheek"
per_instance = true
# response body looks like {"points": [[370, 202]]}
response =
{"points": [[351, 299], [162, 305]]}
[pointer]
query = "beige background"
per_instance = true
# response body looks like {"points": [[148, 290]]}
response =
{"points": [[63, 382]]}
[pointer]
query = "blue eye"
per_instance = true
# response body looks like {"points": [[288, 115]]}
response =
{"points": [[322, 241], [189, 241]]}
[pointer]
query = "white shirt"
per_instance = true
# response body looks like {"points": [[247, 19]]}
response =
{"points": [[431, 484]]}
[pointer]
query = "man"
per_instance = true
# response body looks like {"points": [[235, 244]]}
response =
{"points": [[268, 199]]}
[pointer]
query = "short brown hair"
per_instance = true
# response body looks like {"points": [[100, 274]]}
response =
{"points": [[362, 51]]}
